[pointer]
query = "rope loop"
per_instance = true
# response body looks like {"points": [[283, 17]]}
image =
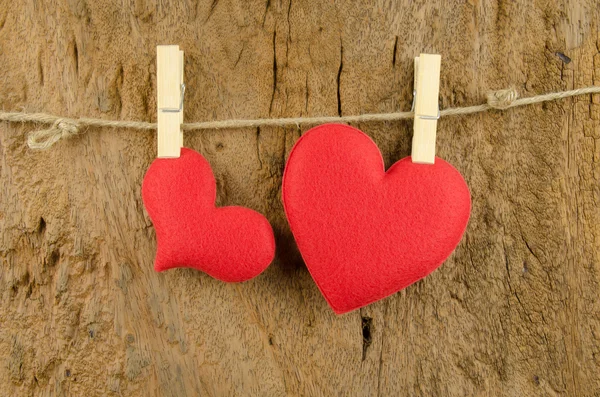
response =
{"points": [[61, 128]]}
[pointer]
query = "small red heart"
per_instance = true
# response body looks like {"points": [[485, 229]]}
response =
{"points": [[228, 243], [365, 233]]}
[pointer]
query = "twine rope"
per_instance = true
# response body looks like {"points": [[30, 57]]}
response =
{"points": [[65, 128]]}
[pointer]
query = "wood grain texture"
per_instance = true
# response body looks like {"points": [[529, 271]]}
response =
{"points": [[514, 311]]}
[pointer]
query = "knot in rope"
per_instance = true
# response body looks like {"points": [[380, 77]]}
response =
{"points": [[502, 99], [61, 128]]}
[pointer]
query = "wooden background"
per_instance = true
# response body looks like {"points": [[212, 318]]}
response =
{"points": [[515, 311]]}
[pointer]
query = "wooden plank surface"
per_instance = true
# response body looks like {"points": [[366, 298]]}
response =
{"points": [[514, 311]]}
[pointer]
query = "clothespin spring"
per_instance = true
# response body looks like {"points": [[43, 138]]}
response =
{"points": [[422, 116], [176, 110]]}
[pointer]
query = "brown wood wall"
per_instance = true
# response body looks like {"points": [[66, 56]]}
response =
{"points": [[515, 311]]}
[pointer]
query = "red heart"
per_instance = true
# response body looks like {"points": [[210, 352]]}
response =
{"points": [[229, 243], [365, 233]]}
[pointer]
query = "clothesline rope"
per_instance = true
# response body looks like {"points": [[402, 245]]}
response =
{"points": [[63, 127]]}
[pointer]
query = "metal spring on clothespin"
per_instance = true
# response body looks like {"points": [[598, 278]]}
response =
{"points": [[178, 109]]}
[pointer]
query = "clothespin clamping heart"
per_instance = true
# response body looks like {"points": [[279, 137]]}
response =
{"points": [[229, 243], [426, 107], [170, 90]]}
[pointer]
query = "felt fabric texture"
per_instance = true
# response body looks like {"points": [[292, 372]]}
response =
{"points": [[364, 233], [229, 243]]}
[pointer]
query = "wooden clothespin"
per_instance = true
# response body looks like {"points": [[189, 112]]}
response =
{"points": [[170, 90], [426, 107]]}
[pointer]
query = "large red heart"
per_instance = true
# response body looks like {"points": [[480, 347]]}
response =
{"points": [[229, 243], [364, 233]]}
